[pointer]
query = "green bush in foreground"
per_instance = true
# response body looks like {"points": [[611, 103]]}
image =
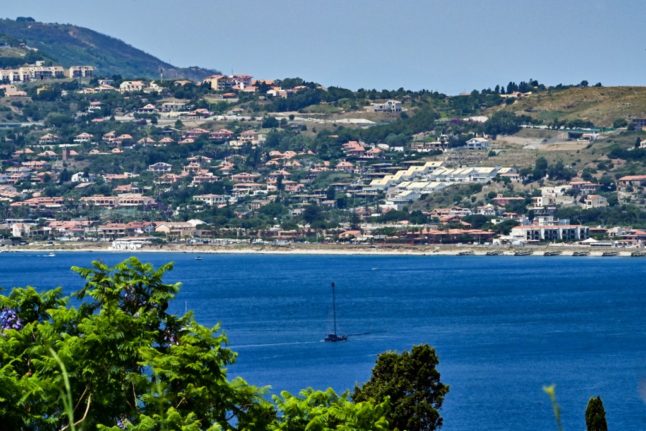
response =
{"points": [[116, 359]]}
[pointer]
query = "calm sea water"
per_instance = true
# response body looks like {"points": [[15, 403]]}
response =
{"points": [[503, 326]]}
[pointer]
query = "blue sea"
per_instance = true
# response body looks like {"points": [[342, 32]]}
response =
{"points": [[503, 326]]}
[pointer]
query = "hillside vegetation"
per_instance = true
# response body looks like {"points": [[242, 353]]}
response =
{"points": [[72, 45], [601, 105]]}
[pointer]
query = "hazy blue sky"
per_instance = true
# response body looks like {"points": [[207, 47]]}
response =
{"points": [[445, 45]]}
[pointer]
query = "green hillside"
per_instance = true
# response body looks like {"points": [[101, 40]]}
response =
{"points": [[601, 105], [70, 45]]}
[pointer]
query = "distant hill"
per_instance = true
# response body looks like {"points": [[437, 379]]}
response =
{"points": [[601, 105], [69, 45]]}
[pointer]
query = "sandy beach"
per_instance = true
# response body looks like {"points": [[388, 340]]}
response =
{"points": [[338, 249]]}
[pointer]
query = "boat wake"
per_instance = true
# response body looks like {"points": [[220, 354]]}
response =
{"points": [[291, 343]]}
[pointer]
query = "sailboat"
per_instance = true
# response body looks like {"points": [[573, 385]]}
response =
{"points": [[334, 337]]}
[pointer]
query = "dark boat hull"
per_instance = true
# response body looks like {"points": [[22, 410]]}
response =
{"points": [[334, 338]]}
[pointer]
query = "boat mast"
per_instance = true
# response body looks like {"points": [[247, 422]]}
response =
{"points": [[334, 307]]}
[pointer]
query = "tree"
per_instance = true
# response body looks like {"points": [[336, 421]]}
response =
{"points": [[619, 122], [476, 221], [55, 119], [540, 168], [558, 171], [595, 415], [64, 176], [504, 227], [126, 356], [119, 360], [325, 410], [269, 123], [412, 383], [313, 214], [503, 122]]}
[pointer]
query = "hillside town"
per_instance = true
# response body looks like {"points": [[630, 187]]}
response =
{"points": [[234, 160]]}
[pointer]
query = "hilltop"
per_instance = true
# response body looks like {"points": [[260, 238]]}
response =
{"points": [[600, 105], [69, 45]]}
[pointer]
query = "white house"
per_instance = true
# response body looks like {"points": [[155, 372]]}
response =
{"points": [[131, 86], [478, 144], [160, 168], [214, 200], [387, 106]]}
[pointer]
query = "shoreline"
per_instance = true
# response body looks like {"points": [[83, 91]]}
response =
{"points": [[340, 250]]}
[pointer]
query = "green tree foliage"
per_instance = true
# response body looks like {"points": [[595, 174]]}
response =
{"points": [[476, 221], [130, 364], [270, 123], [504, 227], [595, 415], [540, 168], [624, 215], [55, 119], [504, 123], [625, 154], [579, 123], [314, 215], [558, 171], [518, 206], [412, 383], [397, 132], [299, 100], [323, 411]]}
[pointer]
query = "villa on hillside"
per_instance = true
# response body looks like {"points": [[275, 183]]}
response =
{"points": [[477, 144], [387, 106]]}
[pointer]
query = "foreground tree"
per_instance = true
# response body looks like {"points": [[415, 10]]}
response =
{"points": [[322, 411], [119, 360], [595, 415], [411, 382]]}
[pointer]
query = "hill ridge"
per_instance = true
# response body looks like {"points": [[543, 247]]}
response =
{"points": [[70, 44]]}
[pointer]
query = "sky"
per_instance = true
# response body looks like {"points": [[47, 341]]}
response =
{"points": [[451, 46]]}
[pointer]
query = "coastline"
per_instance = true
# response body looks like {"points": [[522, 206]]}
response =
{"points": [[337, 249]]}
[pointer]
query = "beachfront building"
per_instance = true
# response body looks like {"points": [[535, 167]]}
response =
{"points": [[131, 243], [176, 230], [549, 232]]}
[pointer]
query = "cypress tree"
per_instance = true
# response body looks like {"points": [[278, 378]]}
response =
{"points": [[595, 415]]}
